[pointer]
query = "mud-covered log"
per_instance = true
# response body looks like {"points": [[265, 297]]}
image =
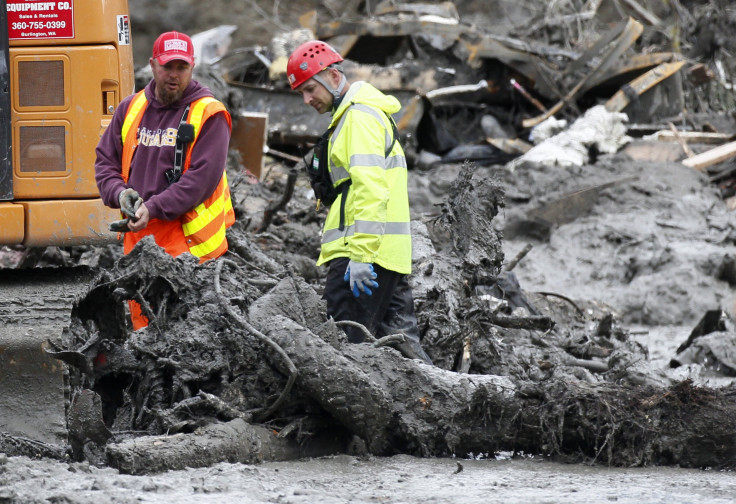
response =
{"points": [[234, 441], [395, 404], [400, 405]]}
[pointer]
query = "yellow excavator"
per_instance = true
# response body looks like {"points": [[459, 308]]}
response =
{"points": [[64, 68]]}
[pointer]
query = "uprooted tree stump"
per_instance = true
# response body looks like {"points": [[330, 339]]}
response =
{"points": [[244, 341], [396, 405]]}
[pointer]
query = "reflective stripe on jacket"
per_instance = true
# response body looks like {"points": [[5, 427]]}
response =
{"points": [[204, 226], [377, 218]]}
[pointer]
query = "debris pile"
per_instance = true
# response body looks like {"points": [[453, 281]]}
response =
{"points": [[470, 92], [241, 359]]}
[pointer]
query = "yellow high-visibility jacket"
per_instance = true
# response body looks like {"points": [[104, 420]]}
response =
{"points": [[377, 224]]}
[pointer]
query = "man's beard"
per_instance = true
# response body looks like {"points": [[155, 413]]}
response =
{"points": [[169, 97]]}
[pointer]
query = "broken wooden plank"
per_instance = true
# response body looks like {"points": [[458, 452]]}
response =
{"points": [[641, 84], [249, 137], [412, 112], [482, 85], [649, 150], [479, 43], [344, 44], [630, 34], [629, 68], [510, 145], [606, 38], [528, 96], [687, 150], [700, 137], [714, 156], [642, 13], [386, 27], [443, 9], [522, 56]]}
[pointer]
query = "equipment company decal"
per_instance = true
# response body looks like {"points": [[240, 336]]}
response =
{"points": [[40, 20], [123, 30]]}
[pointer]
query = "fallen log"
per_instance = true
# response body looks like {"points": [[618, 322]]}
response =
{"points": [[404, 406], [234, 441]]}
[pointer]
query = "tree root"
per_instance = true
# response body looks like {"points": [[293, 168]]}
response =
{"points": [[289, 364]]}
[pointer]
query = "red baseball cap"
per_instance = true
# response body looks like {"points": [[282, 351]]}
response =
{"points": [[173, 45]]}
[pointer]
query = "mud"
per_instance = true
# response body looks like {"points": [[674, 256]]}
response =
{"points": [[344, 478]]}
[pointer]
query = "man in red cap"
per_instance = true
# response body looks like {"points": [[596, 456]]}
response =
{"points": [[174, 187]]}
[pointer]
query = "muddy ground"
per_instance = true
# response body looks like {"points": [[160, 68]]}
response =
{"points": [[654, 249], [342, 479]]}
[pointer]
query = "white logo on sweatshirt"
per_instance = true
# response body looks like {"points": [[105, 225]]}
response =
{"points": [[159, 138]]}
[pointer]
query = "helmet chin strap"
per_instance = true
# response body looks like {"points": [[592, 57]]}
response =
{"points": [[335, 92]]}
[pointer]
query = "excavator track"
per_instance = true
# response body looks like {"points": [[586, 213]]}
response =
{"points": [[35, 308]]}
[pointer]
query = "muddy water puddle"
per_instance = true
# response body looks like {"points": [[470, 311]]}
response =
{"points": [[347, 479]]}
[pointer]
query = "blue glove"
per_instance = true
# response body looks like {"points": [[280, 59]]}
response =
{"points": [[361, 277]]}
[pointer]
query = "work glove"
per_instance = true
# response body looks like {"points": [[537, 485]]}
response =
{"points": [[361, 277], [119, 226], [130, 201]]}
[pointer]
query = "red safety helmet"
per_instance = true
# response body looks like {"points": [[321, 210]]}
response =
{"points": [[308, 60]]}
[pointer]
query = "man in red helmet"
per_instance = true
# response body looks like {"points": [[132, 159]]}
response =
{"points": [[175, 187], [366, 238]]}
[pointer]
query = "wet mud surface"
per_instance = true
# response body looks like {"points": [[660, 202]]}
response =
{"points": [[341, 479]]}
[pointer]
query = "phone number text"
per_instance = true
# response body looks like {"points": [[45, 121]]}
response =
{"points": [[37, 25]]}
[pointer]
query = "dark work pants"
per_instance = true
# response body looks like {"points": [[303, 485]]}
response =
{"points": [[389, 310]]}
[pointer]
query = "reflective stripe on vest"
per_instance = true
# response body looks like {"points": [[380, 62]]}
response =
{"points": [[204, 226], [129, 132]]}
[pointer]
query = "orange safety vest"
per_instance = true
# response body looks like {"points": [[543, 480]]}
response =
{"points": [[203, 226]]}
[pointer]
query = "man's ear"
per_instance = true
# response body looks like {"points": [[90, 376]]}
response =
{"points": [[335, 77]]}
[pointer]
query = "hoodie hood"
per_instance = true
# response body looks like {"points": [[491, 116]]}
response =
{"points": [[365, 93]]}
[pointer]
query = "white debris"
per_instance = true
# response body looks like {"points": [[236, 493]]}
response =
{"points": [[211, 45], [597, 128], [547, 129]]}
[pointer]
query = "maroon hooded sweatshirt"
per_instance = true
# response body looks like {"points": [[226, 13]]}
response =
{"points": [[155, 155]]}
